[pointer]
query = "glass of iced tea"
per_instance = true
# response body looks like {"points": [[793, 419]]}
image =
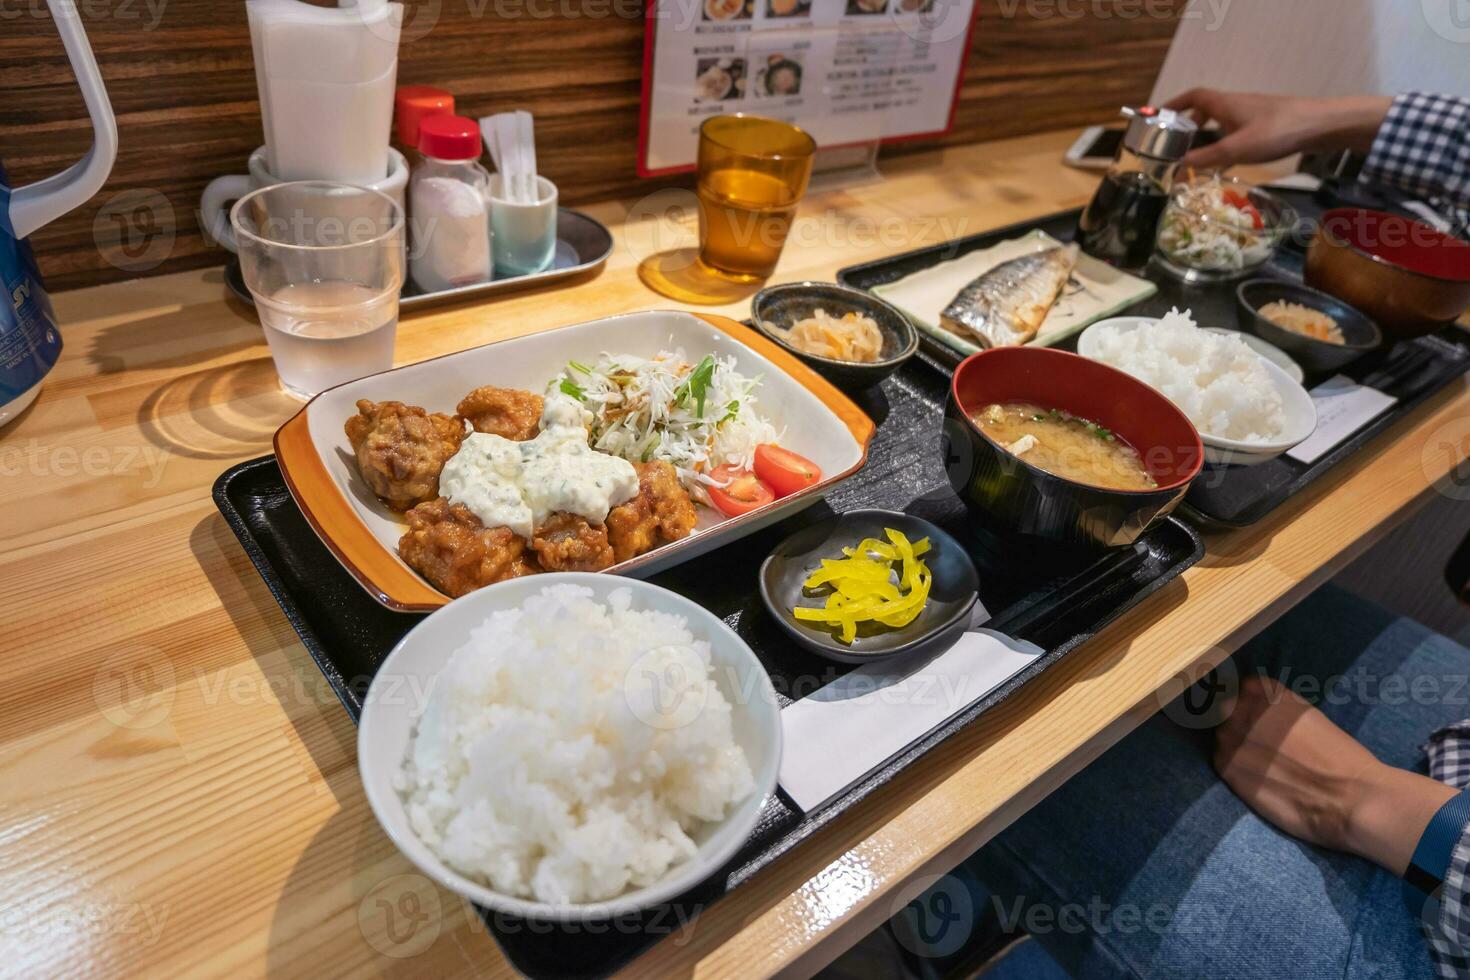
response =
{"points": [[752, 173], [324, 263]]}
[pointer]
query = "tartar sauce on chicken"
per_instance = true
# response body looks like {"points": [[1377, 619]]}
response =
{"points": [[520, 484]]}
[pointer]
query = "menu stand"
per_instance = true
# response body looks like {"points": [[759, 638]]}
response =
{"points": [[842, 167]]}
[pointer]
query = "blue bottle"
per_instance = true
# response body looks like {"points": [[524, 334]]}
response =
{"points": [[30, 342]]}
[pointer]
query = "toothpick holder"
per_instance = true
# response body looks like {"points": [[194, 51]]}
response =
{"points": [[523, 236]]}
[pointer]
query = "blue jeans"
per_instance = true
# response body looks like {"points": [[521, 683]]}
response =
{"points": [[1147, 865]]}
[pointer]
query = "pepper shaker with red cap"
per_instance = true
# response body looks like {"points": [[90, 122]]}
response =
{"points": [[451, 221], [413, 104]]}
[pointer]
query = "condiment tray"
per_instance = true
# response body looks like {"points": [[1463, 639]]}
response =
{"points": [[1054, 598], [582, 245]]}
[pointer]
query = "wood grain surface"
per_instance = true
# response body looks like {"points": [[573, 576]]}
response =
{"points": [[182, 83], [180, 794]]}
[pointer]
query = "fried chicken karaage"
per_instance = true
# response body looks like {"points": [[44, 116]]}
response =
{"points": [[448, 545], [568, 543], [401, 449], [505, 412], [662, 512]]}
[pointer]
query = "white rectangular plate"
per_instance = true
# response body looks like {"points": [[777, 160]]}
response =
{"points": [[1103, 291]]}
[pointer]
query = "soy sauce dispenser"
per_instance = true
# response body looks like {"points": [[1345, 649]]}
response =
{"points": [[1118, 225]]}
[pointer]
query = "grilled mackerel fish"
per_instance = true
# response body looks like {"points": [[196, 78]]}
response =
{"points": [[1006, 306]]}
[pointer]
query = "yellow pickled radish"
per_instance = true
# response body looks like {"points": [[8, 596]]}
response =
{"points": [[865, 586]]}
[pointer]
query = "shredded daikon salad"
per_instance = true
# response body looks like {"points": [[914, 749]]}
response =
{"points": [[850, 337], [694, 416]]}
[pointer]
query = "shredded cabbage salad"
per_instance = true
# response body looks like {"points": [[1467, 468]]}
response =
{"points": [[1211, 224], [694, 416]]}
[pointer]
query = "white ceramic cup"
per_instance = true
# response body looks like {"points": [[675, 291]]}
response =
{"points": [[222, 192], [523, 236]]}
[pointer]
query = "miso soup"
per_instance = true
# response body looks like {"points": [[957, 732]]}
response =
{"points": [[1065, 445]]}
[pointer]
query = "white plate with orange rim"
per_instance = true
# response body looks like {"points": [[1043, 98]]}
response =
{"points": [[816, 420]]}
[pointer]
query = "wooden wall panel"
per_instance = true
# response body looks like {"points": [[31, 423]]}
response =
{"points": [[180, 76]]}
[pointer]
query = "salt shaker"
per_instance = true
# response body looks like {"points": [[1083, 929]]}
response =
{"points": [[1118, 225], [451, 222]]}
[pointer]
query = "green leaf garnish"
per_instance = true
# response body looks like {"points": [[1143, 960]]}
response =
{"points": [[579, 367], [697, 385], [571, 388]]}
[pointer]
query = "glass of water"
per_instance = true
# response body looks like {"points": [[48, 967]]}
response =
{"points": [[324, 262]]}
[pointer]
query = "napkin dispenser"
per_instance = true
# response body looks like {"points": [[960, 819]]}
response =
{"points": [[326, 78]]}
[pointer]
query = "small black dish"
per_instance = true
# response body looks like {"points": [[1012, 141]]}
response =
{"points": [[953, 594], [790, 302], [1360, 334]]}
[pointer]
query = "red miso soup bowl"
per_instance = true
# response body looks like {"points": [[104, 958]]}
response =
{"points": [[1409, 277], [1010, 493]]}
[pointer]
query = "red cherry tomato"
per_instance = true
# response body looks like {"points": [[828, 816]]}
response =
{"points": [[1238, 200], [742, 494], [784, 471]]}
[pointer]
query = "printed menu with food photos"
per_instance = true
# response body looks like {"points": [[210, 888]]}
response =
{"points": [[846, 71]]}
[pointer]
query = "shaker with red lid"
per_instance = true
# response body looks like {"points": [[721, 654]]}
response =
{"points": [[451, 220]]}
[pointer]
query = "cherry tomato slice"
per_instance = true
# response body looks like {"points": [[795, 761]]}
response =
{"points": [[1237, 200], [783, 471], [743, 494]]}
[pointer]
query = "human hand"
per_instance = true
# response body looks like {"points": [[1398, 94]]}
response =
{"points": [[1262, 128], [1303, 774]]}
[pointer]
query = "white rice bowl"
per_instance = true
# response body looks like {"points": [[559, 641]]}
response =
{"points": [[1215, 379], [548, 764]]}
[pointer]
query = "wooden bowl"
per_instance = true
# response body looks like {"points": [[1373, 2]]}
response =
{"points": [[1410, 278]]}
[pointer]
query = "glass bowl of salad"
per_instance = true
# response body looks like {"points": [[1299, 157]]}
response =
{"points": [[1217, 228]]}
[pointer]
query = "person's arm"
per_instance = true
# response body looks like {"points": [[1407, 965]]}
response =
{"points": [[1262, 128], [1299, 771], [1308, 777], [1423, 148]]}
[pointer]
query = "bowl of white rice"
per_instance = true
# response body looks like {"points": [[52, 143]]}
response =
{"points": [[569, 746], [1246, 408]]}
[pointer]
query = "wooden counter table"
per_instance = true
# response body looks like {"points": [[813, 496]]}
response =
{"points": [[180, 790]]}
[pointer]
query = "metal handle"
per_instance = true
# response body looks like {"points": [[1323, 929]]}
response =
{"points": [[35, 205]]}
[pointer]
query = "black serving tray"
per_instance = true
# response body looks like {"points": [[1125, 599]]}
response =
{"points": [[1055, 598], [1226, 496]]}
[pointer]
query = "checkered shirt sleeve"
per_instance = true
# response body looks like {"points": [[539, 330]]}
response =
{"points": [[1423, 148], [1448, 754]]}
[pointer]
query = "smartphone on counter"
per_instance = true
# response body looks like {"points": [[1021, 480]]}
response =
{"points": [[1097, 145]]}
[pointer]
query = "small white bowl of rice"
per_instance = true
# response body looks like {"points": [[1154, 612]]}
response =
{"points": [[1246, 408], [568, 746]]}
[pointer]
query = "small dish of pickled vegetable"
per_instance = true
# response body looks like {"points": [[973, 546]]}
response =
{"points": [[870, 584]]}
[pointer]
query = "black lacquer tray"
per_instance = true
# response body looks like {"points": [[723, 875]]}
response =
{"points": [[1055, 598], [1233, 496]]}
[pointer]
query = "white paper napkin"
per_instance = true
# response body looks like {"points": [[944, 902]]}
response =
{"points": [[840, 733], [1343, 407]]}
